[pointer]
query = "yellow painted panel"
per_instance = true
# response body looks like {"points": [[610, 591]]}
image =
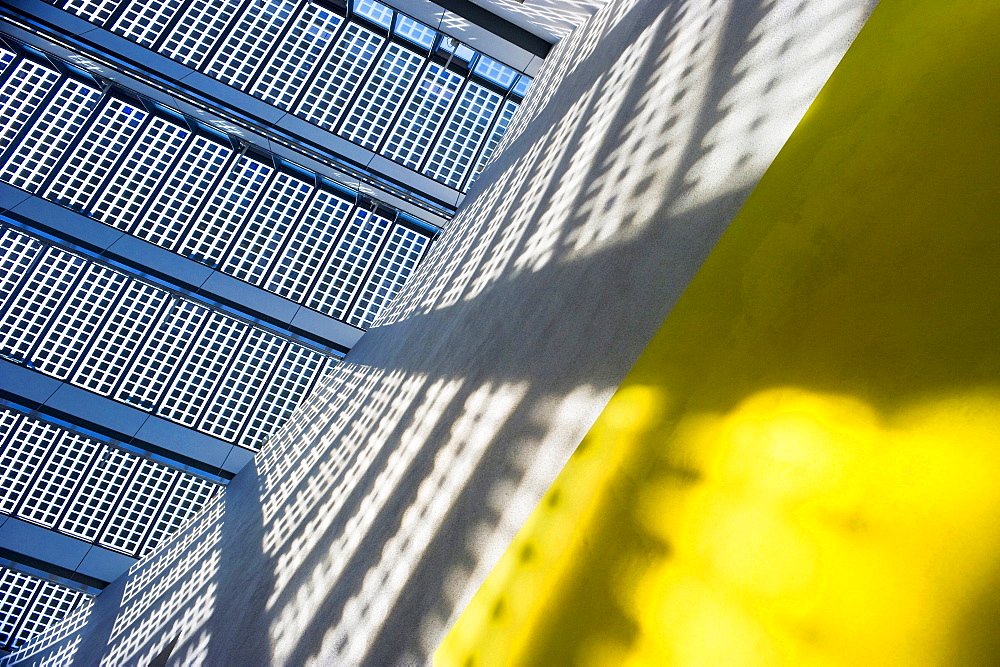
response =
{"points": [[804, 465]]}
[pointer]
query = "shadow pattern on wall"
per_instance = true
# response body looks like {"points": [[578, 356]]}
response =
{"points": [[377, 511]]}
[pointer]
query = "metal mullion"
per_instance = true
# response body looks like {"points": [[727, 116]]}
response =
{"points": [[330, 255], [112, 309], [227, 169], [251, 213], [324, 262], [452, 108], [402, 105], [168, 29], [369, 270], [15, 427], [57, 310], [113, 389], [308, 82], [85, 128], [116, 505], [16, 140], [182, 358], [252, 408], [17, 423], [12, 65], [27, 607], [141, 214], [113, 18], [265, 59], [292, 228], [19, 287], [327, 361], [60, 436], [89, 468], [215, 390], [331, 258], [126, 152], [464, 183], [352, 100], [223, 35], [147, 533]]}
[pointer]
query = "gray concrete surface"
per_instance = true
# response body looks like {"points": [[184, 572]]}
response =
{"points": [[361, 533]]}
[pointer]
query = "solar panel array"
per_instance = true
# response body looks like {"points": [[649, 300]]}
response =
{"points": [[31, 604], [138, 168], [78, 485], [367, 75], [83, 322]]}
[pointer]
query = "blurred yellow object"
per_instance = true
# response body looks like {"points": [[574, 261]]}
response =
{"points": [[804, 465]]}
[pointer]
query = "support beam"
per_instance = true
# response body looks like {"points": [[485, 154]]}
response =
{"points": [[32, 212], [55, 556], [120, 422]]}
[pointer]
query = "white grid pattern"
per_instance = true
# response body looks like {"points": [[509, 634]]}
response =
{"points": [[221, 218], [8, 422], [376, 11], [190, 494], [120, 338], [249, 40], [138, 507], [137, 177], [29, 312], [455, 149], [96, 154], [95, 11], [25, 451], [394, 266], [17, 254], [308, 246], [189, 392], [6, 56], [381, 96], [296, 57], [144, 22], [298, 370], [47, 469], [273, 48], [500, 129], [17, 592], [341, 73], [98, 496], [62, 474], [20, 95], [149, 373], [242, 385], [348, 263], [123, 338], [495, 71], [186, 186], [51, 604], [425, 110], [38, 152], [415, 31], [203, 23], [78, 320], [263, 233]]}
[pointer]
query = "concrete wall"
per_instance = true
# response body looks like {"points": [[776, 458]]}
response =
{"points": [[802, 466], [373, 518]]}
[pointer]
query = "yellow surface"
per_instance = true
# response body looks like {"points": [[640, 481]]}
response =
{"points": [[804, 466]]}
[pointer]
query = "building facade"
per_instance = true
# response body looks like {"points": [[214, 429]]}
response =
{"points": [[204, 206]]}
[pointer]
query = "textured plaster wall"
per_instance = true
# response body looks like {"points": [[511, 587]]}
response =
{"points": [[374, 516], [802, 466]]}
